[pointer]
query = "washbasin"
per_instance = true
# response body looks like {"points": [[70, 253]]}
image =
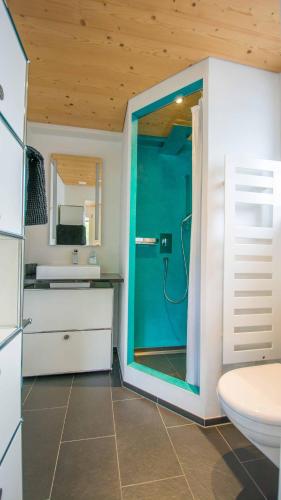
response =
{"points": [[68, 272]]}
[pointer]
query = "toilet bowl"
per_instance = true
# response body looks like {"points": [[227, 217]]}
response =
{"points": [[251, 398]]}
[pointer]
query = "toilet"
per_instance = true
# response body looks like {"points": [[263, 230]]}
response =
{"points": [[251, 398]]}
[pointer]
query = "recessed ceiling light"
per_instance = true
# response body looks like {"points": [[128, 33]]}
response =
{"points": [[82, 183], [179, 100]]}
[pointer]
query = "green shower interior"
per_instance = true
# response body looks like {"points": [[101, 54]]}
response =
{"points": [[164, 198]]}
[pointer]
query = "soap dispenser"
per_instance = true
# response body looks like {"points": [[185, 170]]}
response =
{"points": [[75, 256]]}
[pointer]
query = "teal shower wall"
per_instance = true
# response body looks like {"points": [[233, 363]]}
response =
{"points": [[163, 200]]}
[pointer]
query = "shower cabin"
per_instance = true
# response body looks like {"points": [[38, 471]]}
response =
{"points": [[176, 137]]}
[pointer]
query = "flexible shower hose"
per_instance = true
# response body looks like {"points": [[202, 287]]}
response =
{"points": [[166, 265]]}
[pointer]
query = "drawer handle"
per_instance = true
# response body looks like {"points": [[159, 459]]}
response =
{"points": [[2, 95], [65, 337]]}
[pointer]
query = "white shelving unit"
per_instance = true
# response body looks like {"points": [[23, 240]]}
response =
{"points": [[13, 77]]}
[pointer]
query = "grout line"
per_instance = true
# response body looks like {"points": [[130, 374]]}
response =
{"points": [[31, 387], [190, 422], [174, 367], [87, 439], [64, 420], [252, 460], [241, 463], [152, 481], [41, 409], [117, 456], [180, 425], [172, 444], [126, 399]]}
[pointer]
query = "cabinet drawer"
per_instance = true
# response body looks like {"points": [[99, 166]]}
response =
{"points": [[11, 172], [10, 391], [53, 310], [12, 74], [66, 352], [11, 471]]}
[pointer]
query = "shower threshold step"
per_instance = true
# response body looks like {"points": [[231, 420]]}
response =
{"points": [[160, 350]]}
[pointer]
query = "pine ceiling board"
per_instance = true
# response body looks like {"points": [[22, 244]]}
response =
{"points": [[235, 44], [102, 52], [239, 14]]}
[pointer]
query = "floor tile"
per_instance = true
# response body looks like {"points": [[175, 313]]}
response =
{"points": [[168, 489], [178, 361], [41, 436], [135, 413], [144, 449], [170, 365], [27, 384], [90, 408], [265, 473], [49, 392], [157, 362], [211, 468], [121, 393], [25, 392], [87, 470], [197, 446], [171, 418], [242, 447]]}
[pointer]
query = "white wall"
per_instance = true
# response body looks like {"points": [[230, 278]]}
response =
{"points": [[241, 116], [244, 118], [76, 195], [50, 139]]}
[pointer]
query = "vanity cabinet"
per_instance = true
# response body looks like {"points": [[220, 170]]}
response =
{"points": [[71, 330], [13, 71]]}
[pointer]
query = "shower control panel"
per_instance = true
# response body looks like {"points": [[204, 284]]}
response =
{"points": [[166, 243]]}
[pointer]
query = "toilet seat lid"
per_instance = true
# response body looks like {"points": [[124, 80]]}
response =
{"points": [[254, 392]]}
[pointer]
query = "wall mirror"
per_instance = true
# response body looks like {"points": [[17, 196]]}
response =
{"points": [[75, 200]]}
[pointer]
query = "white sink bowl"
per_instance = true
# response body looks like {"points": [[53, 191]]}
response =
{"points": [[67, 272]]}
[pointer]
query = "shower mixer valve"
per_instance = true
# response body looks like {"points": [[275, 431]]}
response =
{"points": [[166, 243]]}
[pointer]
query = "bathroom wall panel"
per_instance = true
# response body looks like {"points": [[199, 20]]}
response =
{"points": [[163, 199]]}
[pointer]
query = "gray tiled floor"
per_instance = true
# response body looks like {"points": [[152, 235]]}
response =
{"points": [[88, 438], [173, 364]]}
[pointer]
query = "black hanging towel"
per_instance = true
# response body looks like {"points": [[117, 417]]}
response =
{"points": [[36, 202]]}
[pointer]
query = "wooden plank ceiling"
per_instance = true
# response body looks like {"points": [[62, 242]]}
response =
{"points": [[88, 57]]}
